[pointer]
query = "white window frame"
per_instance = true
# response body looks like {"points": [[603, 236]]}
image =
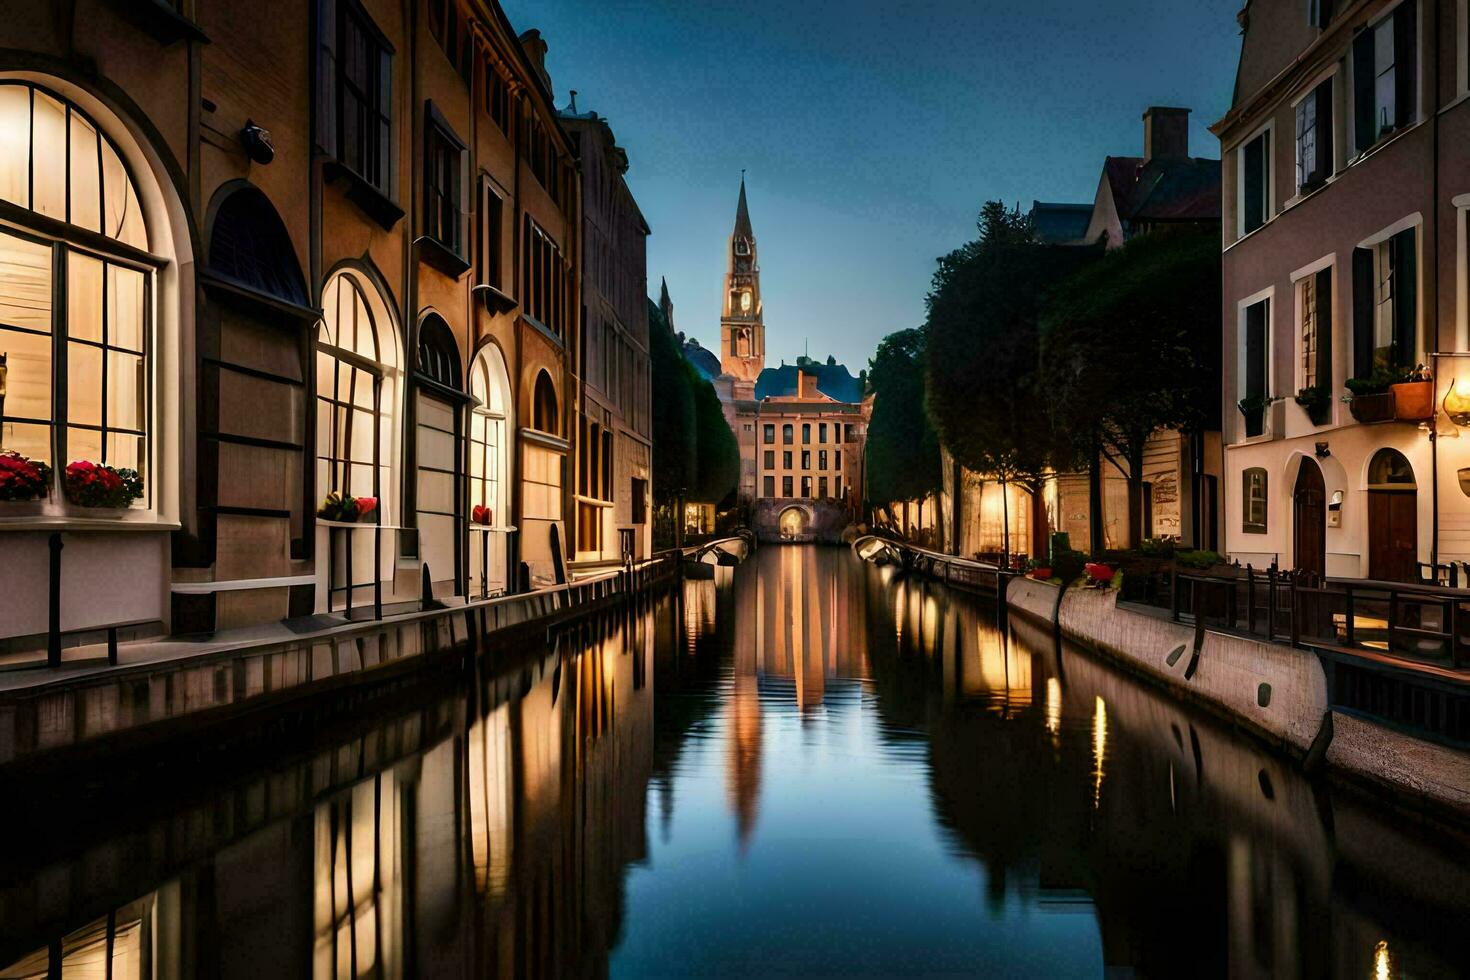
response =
{"points": [[1462, 266], [1328, 75], [1373, 241], [1269, 293], [1351, 113], [1308, 271], [1268, 127]]}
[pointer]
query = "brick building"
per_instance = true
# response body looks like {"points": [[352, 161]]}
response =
{"points": [[260, 259]]}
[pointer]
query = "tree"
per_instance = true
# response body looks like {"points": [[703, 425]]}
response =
{"points": [[672, 414], [985, 395], [902, 447], [717, 455], [1131, 344]]}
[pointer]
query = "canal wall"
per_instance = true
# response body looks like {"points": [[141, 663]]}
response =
{"points": [[71, 716], [1276, 692]]}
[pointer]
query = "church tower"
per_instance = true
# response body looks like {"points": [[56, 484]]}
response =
{"points": [[742, 330]]}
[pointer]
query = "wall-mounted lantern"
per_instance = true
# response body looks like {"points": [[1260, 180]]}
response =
{"points": [[1334, 509], [257, 143], [1457, 402]]}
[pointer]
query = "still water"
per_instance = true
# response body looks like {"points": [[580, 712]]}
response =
{"points": [[807, 766]]}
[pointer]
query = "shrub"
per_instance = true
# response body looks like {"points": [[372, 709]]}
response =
{"points": [[1199, 559]]}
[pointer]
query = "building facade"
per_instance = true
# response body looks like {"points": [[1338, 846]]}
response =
{"points": [[800, 428], [614, 440], [1345, 256], [260, 260]]}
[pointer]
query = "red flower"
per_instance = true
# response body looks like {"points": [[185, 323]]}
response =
{"points": [[1098, 572]]}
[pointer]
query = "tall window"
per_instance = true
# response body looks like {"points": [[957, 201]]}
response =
{"points": [[770, 459], [806, 486], [1385, 304], [822, 487], [545, 415], [497, 98], [357, 367], [492, 234], [545, 279], [1255, 362], [1253, 501], [443, 184], [787, 433], [785, 486], [1315, 303], [1385, 73], [768, 434], [489, 452], [768, 487], [1255, 183], [74, 368], [806, 459], [1314, 138], [822, 432], [364, 97], [786, 459], [822, 459], [806, 433], [448, 26]]}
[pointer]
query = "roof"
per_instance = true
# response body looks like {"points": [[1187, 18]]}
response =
{"points": [[742, 214], [1164, 188], [704, 361], [1060, 224], [833, 380]]}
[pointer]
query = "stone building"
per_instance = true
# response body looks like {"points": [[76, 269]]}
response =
{"points": [[260, 259], [614, 444], [1347, 186], [800, 428]]}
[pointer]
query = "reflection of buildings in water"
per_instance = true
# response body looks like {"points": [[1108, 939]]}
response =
{"points": [[359, 883], [490, 800], [1099, 747], [700, 600]]}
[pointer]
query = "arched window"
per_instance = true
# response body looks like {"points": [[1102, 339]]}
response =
{"points": [[357, 386], [438, 353], [787, 432], [98, 331], [544, 411], [1390, 470], [249, 245]]}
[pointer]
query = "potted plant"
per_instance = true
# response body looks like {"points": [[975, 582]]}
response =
{"points": [[1413, 398], [1039, 569], [89, 484], [1371, 400], [23, 478], [1253, 407], [345, 508], [1317, 400]]}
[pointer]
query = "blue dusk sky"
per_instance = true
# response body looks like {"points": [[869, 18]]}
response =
{"points": [[870, 132]]}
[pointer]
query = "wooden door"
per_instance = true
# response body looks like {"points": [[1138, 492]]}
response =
{"points": [[1309, 520], [1393, 535]]}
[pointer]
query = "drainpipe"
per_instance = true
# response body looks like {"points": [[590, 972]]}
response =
{"points": [[1434, 225]]}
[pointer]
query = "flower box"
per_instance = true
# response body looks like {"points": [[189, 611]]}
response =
{"points": [[1413, 401], [101, 487], [1373, 408], [23, 480]]}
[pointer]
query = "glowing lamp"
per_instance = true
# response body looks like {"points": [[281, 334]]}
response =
{"points": [[1457, 402]]}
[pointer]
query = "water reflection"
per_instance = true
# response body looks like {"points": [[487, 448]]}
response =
{"points": [[847, 771]]}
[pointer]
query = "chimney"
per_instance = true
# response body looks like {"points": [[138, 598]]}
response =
{"points": [[1165, 132], [535, 49]]}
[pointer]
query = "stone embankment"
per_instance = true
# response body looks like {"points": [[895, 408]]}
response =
{"points": [[1275, 692]]}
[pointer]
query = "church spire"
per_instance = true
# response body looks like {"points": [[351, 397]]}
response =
{"points": [[742, 213]]}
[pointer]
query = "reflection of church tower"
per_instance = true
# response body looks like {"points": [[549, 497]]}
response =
{"points": [[743, 756], [742, 331]]}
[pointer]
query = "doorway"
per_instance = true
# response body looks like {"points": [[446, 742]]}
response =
{"points": [[1393, 518], [1309, 520]]}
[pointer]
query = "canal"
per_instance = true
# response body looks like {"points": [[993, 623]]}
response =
{"points": [[805, 766]]}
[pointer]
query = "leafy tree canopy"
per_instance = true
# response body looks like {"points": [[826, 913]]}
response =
{"points": [[902, 447]]}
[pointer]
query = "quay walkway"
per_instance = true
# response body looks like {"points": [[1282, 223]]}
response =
{"points": [[150, 687]]}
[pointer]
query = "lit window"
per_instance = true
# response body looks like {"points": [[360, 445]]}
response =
{"points": [[1253, 501], [97, 334]]}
